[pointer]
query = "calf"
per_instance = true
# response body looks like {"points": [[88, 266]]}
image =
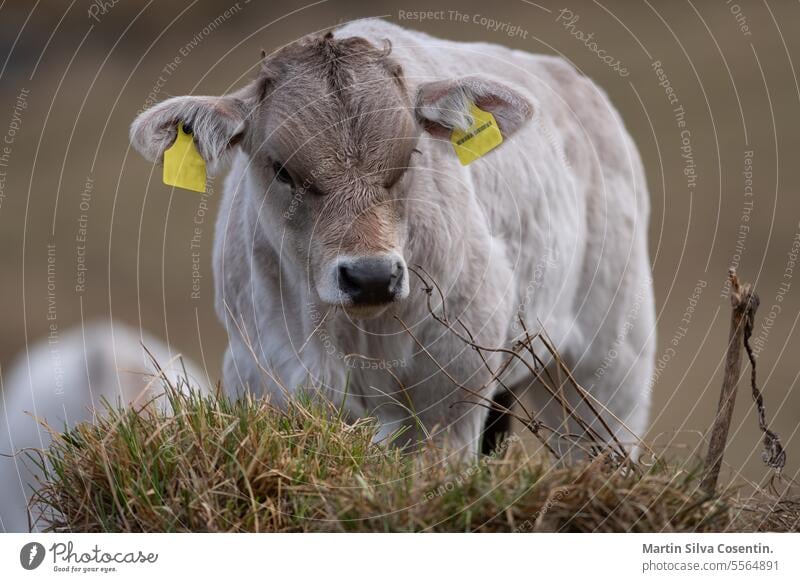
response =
{"points": [[343, 179]]}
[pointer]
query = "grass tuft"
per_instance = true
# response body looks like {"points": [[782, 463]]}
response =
{"points": [[215, 465]]}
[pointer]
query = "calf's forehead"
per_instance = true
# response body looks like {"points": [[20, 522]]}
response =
{"points": [[359, 119]]}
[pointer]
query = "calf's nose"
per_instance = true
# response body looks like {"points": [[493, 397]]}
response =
{"points": [[371, 281]]}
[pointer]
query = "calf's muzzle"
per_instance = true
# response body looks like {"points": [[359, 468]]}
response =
{"points": [[372, 280]]}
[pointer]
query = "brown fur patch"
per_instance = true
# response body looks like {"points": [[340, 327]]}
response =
{"points": [[337, 113]]}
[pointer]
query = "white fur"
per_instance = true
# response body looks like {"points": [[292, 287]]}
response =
{"points": [[64, 383]]}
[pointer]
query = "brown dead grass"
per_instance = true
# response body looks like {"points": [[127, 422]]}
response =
{"points": [[219, 466]]}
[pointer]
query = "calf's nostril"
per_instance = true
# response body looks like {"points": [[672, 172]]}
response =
{"points": [[396, 276], [346, 281]]}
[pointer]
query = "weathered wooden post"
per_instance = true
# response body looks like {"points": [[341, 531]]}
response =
{"points": [[744, 302]]}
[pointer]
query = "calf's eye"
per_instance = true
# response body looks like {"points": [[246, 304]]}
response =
{"points": [[281, 174]]}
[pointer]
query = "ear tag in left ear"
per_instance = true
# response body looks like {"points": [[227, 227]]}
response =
{"points": [[184, 167], [481, 137]]}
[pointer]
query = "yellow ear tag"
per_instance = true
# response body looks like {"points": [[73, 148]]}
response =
{"points": [[481, 137], [183, 165]]}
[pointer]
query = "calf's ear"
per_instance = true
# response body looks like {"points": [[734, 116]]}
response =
{"points": [[217, 124], [442, 106]]}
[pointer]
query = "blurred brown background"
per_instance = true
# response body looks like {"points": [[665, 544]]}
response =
{"points": [[73, 76]]}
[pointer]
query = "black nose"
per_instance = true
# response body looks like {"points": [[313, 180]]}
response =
{"points": [[371, 281]]}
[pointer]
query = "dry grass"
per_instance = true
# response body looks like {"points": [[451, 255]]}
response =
{"points": [[216, 465]]}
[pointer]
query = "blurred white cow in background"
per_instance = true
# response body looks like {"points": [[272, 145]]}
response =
{"points": [[65, 383]]}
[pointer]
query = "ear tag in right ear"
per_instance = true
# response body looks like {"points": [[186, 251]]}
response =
{"points": [[184, 167], [479, 139]]}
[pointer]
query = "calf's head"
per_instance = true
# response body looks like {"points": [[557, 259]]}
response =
{"points": [[331, 128]]}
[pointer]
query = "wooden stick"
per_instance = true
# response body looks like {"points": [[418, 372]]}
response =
{"points": [[744, 302]]}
